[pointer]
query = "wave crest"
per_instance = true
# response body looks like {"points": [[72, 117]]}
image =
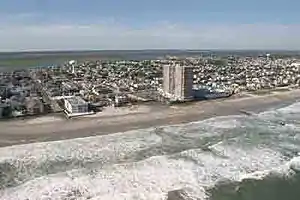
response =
{"points": [[199, 160]]}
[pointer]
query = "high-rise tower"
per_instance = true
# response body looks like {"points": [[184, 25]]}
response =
{"points": [[178, 82]]}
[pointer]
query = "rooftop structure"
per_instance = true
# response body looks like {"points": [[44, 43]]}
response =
{"points": [[76, 100]]}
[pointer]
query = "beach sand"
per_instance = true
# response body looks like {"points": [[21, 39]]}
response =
{"points": [[44, 119], [51, 129]]}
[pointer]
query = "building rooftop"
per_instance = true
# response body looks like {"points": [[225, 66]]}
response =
{"points": [[76, 100]]}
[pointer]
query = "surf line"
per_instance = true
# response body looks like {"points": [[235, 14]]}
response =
{"points": [[249, 113]]}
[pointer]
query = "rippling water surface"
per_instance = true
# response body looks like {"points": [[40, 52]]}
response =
{"points": [[235, 157]]}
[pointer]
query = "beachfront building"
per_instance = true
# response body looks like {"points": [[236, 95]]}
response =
{"points": [[168, 79], [34, 105], [178, 82], [4, 110], [184, 82], [76, 105]]}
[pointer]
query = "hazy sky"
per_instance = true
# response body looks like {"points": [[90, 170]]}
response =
{"points": [[140, 24]]}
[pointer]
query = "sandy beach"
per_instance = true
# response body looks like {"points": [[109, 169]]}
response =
{"points": [[53, 128]]}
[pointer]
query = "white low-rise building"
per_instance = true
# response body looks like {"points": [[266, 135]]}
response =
{"points": [[296, 64], [76, 105]]}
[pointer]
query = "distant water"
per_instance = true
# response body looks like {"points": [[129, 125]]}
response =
{"points": [[223, 158], [19, 60]]}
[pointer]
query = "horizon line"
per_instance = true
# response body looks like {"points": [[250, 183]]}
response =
{"points": [[150, 49]]}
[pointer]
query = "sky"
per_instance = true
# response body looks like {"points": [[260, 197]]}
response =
{"points": [[27, 25]]}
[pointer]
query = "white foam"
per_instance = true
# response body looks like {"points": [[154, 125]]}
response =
{"points": [[281, 112], [150, 178], [206, 128], [294, 108], [83, 148], [226, 122], [232, 162], [294, 163]]}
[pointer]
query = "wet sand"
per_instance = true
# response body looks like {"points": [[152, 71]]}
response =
{"points": [[20, 132]]}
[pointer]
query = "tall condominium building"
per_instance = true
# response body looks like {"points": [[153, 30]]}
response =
{"points": [[178, 81], [168, 79]]}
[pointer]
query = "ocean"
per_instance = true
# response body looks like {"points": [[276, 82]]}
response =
{"points": [[23, 60], [224, 158]]}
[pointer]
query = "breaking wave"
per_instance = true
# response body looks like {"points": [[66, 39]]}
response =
{"points": [[233, 157]]}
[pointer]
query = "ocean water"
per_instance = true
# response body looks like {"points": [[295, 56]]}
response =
{"points": [[223, 158]]}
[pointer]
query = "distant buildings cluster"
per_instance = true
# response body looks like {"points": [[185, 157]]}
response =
{"points": [[87, 87], [19, 95]]}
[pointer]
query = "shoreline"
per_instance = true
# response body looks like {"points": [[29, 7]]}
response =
{"points": [[20, 132]]}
